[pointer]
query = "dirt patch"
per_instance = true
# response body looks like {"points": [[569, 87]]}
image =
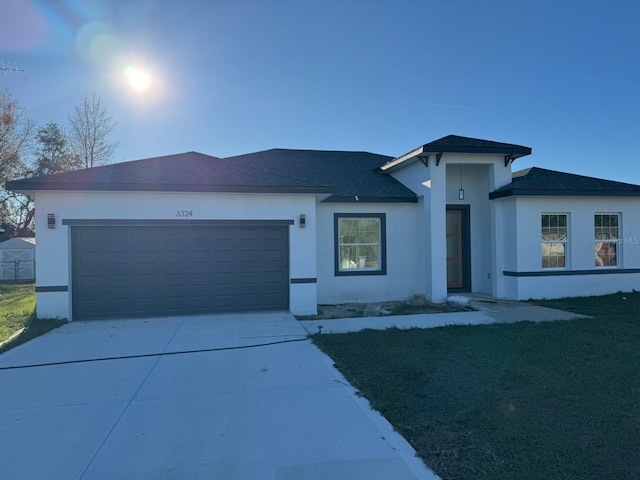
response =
{"points": [[417, 304]]}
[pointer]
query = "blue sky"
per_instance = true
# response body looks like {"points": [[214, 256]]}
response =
{"points": [[231, 76]]}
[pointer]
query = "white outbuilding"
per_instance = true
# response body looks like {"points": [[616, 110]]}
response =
{"points": [[17, 259]]}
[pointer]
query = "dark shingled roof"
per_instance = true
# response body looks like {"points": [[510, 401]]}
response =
{"points": [[184, 172], [350, 174], [536, 181], [342, 175], [458, 144]]}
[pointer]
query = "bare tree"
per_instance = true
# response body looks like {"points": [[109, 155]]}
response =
{"points": [[89, 128]]}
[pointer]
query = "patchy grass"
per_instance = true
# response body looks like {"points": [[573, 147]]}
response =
{"points": [[17, 305], [413, 309], [17, 310], [550, 400], [399, 307]]}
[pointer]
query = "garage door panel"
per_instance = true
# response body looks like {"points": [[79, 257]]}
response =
{"points": [[276, 256], [249, 278], [273, 278], [249, 255], [223, 255], [137, 271], [248, 233]]}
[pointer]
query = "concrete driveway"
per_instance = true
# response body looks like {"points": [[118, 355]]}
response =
{"points": [[210, 397]]}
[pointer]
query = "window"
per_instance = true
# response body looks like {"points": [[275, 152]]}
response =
{"points": [[360, 244], [606, 231], [554, 240]]}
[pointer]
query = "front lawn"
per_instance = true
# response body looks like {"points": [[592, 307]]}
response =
{"points": [[17, 304], [17, 310], [556, 400]]}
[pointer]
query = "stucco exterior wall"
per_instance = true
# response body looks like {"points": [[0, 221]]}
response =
{"points": [[475, 182], [404, 251], [53, 248], [438, 187], [523, 214]]}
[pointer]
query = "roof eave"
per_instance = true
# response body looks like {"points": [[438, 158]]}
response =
{"points": [[561, 193], [32, 187], [410, 157], [514, 152], [361, 199]]}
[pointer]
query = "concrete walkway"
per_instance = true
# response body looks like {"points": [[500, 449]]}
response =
{"points": [[488, 311], [238, 397]]}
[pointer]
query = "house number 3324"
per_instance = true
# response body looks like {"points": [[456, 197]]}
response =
{"points": [[184, 213]]}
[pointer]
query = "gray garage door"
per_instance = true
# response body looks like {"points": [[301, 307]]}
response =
{"points": [[143, 271]]}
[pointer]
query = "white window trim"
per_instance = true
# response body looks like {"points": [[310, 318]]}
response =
{"points": [[617, 241], [565, 242]]}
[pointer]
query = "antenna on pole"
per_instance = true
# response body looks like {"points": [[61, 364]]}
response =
{"points": [[9, 68]]}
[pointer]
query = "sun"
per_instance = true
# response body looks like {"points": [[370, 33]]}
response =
{"points": [[138, 79]]}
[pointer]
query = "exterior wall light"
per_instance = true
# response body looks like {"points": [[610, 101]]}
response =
{"points": [[461, 191], [51, 220], [303, 220]]}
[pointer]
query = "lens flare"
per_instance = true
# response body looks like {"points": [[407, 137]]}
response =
{"points": [[138, 79]]}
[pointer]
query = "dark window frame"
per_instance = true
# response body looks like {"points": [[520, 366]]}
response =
{"points": [[383, 244]]}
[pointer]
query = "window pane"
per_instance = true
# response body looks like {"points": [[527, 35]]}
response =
{"points": [[553, 255], [606, 232], [545, 221], [606, 254], [348, 258], [554, 227], [368, 257], [359, 244], [613, 233], [599, 233], [359, 230]]}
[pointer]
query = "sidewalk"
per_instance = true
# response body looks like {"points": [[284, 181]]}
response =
{"points": [[488, 311]]}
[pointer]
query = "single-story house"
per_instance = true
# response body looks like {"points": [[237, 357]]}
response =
{"points": [[291, 229], [17, 259]]}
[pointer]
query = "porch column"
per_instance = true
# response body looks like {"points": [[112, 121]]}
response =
{"points": [[435, 216]]}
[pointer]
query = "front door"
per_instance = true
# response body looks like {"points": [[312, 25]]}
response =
{"points": [[458, 251]]}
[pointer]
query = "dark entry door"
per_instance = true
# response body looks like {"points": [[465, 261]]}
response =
{"points": [[458, 248], [144, 271]]}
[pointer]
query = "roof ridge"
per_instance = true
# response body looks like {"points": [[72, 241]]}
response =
{"points": [[307, 150]]}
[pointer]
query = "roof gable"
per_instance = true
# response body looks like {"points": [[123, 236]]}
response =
{"points": [[536, 181], [458, 144]]}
